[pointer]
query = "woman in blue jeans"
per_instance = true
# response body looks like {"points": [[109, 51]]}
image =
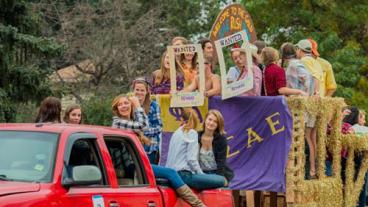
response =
{"points": [[129, 115], [183, 156]]}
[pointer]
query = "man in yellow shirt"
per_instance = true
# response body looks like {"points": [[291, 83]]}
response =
{"points": [[329, 86]]}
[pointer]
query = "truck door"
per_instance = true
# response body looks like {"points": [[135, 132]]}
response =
{"points": [[83, 150], [134, 188]]}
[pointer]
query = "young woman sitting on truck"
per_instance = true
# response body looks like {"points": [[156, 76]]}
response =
{"points": [[129, 115], [183, 156], [141, 90], [213, 145]]}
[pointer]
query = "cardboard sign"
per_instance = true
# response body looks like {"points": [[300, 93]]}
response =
{"points": [[238, 86], [232, 19], [186, 99]]}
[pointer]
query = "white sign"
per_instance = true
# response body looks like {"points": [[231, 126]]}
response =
{"points": [[186, 99], [98, 201], [241, 84]]}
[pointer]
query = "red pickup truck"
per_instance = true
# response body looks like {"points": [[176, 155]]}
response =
{"points": [[73, 165]]}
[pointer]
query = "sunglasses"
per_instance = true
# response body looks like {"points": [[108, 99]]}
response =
{"points": [[141, 79]]}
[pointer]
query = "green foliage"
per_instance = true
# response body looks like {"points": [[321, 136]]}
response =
{"points": [[187, 18], [24, 58], [97, 111], [340, 28]]}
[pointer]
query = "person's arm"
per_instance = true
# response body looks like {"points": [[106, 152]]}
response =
{"points": [[257, 75], [330, 92], [179, 82], [290, 91], [316, 86], [139, 121], [221, 155], [192, 151], [136, 125], [231, 75], [192, 86], [154, 86], [216, 86], [156, 117], [330, 82]]}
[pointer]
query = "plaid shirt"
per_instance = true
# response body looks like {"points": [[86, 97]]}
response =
{"points": [[138, 124], [154, 131]]}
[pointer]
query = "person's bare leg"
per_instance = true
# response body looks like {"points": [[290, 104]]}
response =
{"points": [[312, 164], [250, 198], [314, 141]]}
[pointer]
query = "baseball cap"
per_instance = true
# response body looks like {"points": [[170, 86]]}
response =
{"points": [[314, 47], [304, 45]]}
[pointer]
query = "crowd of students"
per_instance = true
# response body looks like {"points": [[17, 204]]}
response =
{"points": [[197, 159]]}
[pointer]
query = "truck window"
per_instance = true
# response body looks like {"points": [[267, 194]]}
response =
{"points": [[85, 152], [27, 156], [128, 167]]}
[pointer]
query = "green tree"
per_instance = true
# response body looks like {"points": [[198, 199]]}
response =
{"points": [[340, 28], [24, 58]]}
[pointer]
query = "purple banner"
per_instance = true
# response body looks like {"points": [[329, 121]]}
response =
{"points": [[259, 138]]}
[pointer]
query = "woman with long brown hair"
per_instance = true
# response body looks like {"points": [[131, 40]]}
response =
{"points": [[73, 114], [188, 64], [213, 145], [49, 111]]}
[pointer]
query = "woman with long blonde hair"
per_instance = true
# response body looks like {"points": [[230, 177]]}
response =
{"points": [[161, 77], [183, 155]]}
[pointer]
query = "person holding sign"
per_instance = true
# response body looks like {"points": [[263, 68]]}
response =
{"points": [[178, 40], [183, 156], [240, 71], [213, 146], [188, 63], [161, 77], [212, 81], [129, 115]]}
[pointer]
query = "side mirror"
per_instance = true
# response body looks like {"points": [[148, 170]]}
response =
{"points": [[83, 175]]}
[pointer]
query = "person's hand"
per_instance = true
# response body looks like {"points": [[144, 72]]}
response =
{"points": [[346, 112], [316, 94], [226, 183], [135, 101], [302, 93]]}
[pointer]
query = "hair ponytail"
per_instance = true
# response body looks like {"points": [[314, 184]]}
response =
{"points": [[191, 119]]}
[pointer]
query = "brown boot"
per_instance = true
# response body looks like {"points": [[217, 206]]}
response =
{"points": [[187, 194]]}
